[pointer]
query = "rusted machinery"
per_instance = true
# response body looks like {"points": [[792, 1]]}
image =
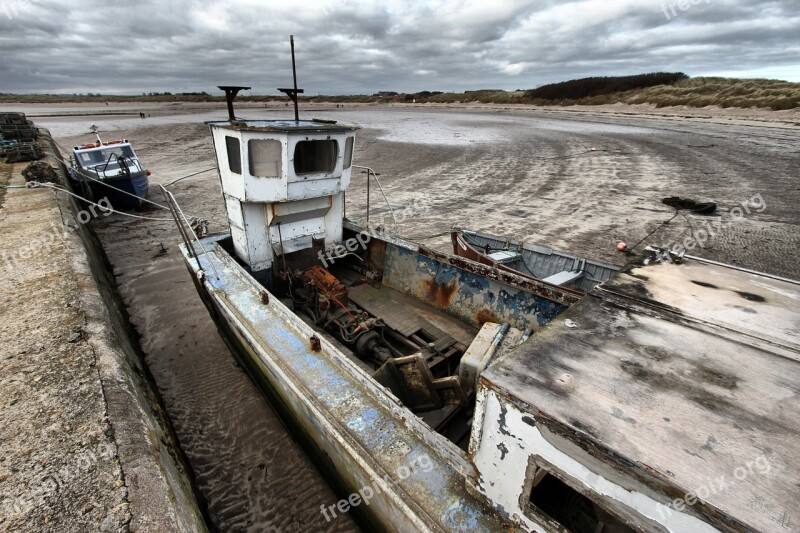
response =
{"points": [[324, 298], [406, 352]]}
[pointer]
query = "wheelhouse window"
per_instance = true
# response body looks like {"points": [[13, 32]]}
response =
{"points": [[311, 157], [554, 500], [348, 153], [234, 154], [264, 156]]}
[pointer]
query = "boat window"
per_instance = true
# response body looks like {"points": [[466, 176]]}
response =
{"points": [[119, 151], [90, 159], [348, 153], [265, 158], [97, 157], [315, 156], [572, 510], [234, 154]]}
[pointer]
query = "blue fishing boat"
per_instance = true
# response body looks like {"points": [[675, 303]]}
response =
{"points": [[109, 170]]}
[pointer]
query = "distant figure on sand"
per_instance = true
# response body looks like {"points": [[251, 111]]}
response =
{"points": [[141, 115]]}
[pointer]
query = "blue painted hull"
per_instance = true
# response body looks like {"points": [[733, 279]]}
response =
{"points": [[351, 426], [121, 192]]}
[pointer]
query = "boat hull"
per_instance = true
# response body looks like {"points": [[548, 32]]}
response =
{"points": [[360, 436], [124, 192], [532, 261]]}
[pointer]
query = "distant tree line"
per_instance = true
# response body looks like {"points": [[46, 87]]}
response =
{"points": [[598, 86], [405, 97], [201, 93]]}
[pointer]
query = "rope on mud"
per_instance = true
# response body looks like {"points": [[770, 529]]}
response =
{"points": [[575, 155], [677, 212], [36, 184], [189, 176]]}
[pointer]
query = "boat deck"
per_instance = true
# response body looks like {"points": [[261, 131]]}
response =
{"points": [[685, 378], [408, 315], [403, 314]]}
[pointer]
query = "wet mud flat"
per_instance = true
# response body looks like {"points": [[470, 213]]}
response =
{"points": [[523, 173]]}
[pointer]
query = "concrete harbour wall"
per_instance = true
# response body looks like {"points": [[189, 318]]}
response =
{"points": [[86, 442]]}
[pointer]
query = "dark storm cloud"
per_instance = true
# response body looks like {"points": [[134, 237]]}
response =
{"points": [[362, 47]]}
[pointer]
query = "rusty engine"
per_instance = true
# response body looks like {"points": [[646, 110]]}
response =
{"points": [[324, 298]]}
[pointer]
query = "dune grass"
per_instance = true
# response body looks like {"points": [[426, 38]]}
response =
{"points": [[723, 92], [668, 90]]}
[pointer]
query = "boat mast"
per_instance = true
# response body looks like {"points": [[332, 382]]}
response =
{"points": [[292, 93], [94, 129]]}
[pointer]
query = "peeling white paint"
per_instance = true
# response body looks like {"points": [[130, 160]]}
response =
{"points": [[503, 445]]}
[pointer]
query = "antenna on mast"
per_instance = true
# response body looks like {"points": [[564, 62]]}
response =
{"points": [[292, 93]]}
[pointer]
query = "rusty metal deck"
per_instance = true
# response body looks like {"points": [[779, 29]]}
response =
{"points": [[682, 380], [402, 314]]}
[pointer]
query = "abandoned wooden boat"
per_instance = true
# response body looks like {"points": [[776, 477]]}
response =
{"points": [[531, 260], [109, 170], [442, 394]]}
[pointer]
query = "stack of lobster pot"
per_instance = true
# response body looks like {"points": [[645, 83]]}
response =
{"points": [[16, 126]]}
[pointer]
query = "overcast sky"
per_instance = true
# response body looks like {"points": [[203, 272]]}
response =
{"points": [[343, 47]]}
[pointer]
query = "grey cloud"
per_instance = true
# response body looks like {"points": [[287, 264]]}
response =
{"points": [[362, 47]]}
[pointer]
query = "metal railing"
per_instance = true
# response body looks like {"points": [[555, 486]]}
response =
{"points": [[184, 228], [368, 171], [124, 163]]}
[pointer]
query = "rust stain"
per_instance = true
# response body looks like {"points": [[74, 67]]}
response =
{"points": [[557, 294], [440, 294], [315, 343], [484, 315], [376, 254]]}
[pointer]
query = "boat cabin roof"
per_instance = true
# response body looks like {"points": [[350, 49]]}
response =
{"points": [[104, 146], [677, 375], [284, 126]]}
